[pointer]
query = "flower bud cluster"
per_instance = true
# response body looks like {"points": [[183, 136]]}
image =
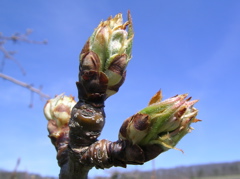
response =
{"points": [[162, 122], [104, 59], [59, 109]]}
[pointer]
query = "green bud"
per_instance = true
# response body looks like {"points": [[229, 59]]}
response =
{"points": [[108, 51], [170, 120], [162, 122]]}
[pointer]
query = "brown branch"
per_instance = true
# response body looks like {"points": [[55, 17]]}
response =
{"points": [[26, 85]]}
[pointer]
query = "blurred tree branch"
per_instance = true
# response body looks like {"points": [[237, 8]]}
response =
{"points": [[26, 85], [9, 55]]}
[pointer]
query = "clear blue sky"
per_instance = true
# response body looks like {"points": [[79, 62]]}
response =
{"points": [[179, 46]]}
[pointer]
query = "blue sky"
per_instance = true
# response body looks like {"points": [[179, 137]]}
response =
{"points": [[179, 47]]}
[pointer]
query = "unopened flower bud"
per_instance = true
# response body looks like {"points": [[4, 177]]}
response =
{"points": [[59, 109], [167, 122], [170, 120], [107, 53]]}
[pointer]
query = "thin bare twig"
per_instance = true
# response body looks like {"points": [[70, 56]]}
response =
{"points": [[21, 37], [28, 86], [9, 55], [17, 37], [14, 173]]}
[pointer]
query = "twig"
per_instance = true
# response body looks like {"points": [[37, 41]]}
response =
{"points": [[26, 85], [9, 55], [17, 37], [21, 37], [14, 173]]}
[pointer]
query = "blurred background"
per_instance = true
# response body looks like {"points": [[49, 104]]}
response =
{"points": [[179, 46]]}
